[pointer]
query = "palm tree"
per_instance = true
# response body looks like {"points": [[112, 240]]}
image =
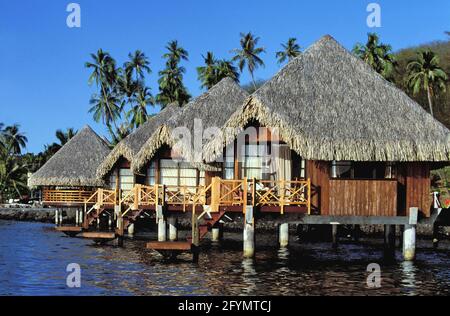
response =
{"points": [[424, 73], [138, 111], [175, 52], [290, 50], [14, 140], [247, 54], [13, 177], [215, 70], [116, 136], [106, 108], [106, 105], [207, 74], [138, 64], [64, 137], [378, 55], [171, 87], [225, 68]]}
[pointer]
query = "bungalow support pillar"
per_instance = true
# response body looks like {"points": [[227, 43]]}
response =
{"points": [[334, 235], [118, 215], [161, 223], [435, 235], [409, 235], [249, 233], [389, 236], [56, 217], [173, 230], [131, 229], [76, 217], [217, 232], [283, 236]]}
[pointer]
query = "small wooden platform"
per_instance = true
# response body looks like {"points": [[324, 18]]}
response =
{"points": [[69, 229], [170, 245], [98, 235]]}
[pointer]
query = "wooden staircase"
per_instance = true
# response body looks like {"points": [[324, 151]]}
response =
{"points": [[205, 222]]}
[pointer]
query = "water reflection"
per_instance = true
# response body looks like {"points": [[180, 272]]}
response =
{"points": [[409, 277], [35, 265]]}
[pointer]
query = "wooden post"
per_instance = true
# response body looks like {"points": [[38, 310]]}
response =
{"points": [[253, 192], [215, 194], [195, 229], [245, 192], [334, 235], [389, 236], [308, 196]]}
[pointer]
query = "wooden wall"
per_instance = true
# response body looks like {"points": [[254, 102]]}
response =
{"points": [[318, 172], [418, 185], [363, 197]]}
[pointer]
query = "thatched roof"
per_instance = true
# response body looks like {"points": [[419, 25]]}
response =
{"points": [[75, 163], [130, 145], [211, 109], [329, 105]]}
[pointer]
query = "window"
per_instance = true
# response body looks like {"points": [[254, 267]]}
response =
{"points": [[256, 162], [180, 173], [126, 179], [228, 164], [302, 168], [150, 178], [362, 170]]}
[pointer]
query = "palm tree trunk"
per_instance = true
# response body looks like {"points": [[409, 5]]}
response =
{"points": [[253, 80], [430, 102]]}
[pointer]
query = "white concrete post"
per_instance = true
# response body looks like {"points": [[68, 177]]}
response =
{"points": [[131, 229], [249, 233], [76, 217], [161, 224], [56, 217], [283, 236], [60, 217], [173, 231], [215, 234], [409, 235], [110, 221]]}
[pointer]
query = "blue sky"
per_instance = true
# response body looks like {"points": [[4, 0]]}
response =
{"points": [[43, 82]]}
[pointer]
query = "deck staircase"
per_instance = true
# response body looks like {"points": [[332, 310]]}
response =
{"points": [[205, 222]]}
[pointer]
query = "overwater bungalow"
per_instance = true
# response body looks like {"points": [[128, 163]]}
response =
{"points": [[69, 177], [327, 140]]}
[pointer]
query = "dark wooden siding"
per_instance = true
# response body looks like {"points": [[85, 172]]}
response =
{"points": [[418, 184], [363, 197], [319, 174]]}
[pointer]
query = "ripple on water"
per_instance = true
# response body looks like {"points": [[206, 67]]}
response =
{"points": [[33, 261]]}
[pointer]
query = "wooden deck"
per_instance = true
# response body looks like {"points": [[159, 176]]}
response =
{"points": [[230, 195]]}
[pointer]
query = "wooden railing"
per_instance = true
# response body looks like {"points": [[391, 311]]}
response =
{"points": [[220, 193], [228, 193], [281, 193], [65, 196], [141, 195], [185, 195]]}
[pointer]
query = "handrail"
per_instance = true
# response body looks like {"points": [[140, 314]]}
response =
{"points": [[220, 192]]}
